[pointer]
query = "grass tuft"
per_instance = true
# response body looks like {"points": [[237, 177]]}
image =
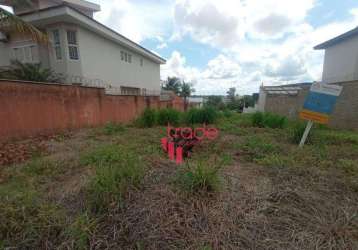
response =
{"points": [[198, 178], [117, 169]]}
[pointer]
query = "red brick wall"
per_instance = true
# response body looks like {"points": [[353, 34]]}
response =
{"points": [[28, 109]]}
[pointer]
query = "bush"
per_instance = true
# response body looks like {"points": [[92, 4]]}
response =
{"points": [[113, 128], [274, 121], [198, 178], [258, 120], [168, 115], [148, 118], [207, 115], [268, 120], [228, 113]]}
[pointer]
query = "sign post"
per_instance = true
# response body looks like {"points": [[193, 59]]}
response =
{"points": [[305, 134], [319, 105]]}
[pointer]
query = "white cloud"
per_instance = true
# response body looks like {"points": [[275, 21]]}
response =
{"points": [[162, 46], [258, 41], [135, 21]]}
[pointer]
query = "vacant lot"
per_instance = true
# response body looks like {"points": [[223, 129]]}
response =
{"points": [[251, 188]]}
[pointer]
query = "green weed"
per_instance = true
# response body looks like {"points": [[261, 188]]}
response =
{"points": [[148, 118], [117, 169], [27, 221], [268, 120], [256, 148], [168, 116], [81, 231], [198, 178], [206, 115], [112, 128]]}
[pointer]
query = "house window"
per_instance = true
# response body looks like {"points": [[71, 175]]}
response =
{"points": [[72, 45], [26, 54], [57, 44], [126, 57], [130, 91]]}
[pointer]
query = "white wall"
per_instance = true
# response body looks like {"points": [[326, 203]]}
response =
{"points": [[101, 59], [70, 68], [341, 62], [4, 54], [261, 101]]}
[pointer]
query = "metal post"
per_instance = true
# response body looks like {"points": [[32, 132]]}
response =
{"points": [[305, 134]]}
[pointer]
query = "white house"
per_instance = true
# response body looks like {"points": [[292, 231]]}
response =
{"points": [[81, 48], [341, 58]]}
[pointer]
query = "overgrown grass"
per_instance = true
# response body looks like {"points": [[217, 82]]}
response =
{"points": [[206, 115], [256, 147], [117, 169], [168, 116], [268, 120], [297, 131], [28, 221], [112, 128], [148, 118], [81, 230], [198, 177]]}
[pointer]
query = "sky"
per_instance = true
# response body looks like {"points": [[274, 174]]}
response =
{"points": [[216, 44]]}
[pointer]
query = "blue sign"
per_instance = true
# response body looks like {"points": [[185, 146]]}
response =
{"points": [[320, 102]]}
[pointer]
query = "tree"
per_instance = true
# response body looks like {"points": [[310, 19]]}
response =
{"points": [[248, 101], [29, 72], [215, 101], [231, 94], [173, 84], [186, 91], [10, 22]]}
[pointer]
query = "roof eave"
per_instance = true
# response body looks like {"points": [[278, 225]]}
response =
{"points": [[101, 30], [337, 39]]}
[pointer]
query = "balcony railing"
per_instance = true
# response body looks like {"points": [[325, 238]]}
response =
{"points": [[110, 89]]}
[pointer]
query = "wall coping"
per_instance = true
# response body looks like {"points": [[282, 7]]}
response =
{"points": [[49, 83]]}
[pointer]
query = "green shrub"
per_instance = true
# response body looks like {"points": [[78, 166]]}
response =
{"points": [[198, 178], [112, 128], [206, 115], [148, 118], [268, 120], [258, 120], [274, 121], [168, 115], [227, 113]]}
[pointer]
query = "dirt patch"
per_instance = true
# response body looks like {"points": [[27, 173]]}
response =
{"points": [[20, 151]]}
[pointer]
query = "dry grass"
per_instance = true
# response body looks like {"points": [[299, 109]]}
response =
{"points": [[271, 195]]}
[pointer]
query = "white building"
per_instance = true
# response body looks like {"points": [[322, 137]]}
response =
{"points": [[341, 58], [81, 48]]}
